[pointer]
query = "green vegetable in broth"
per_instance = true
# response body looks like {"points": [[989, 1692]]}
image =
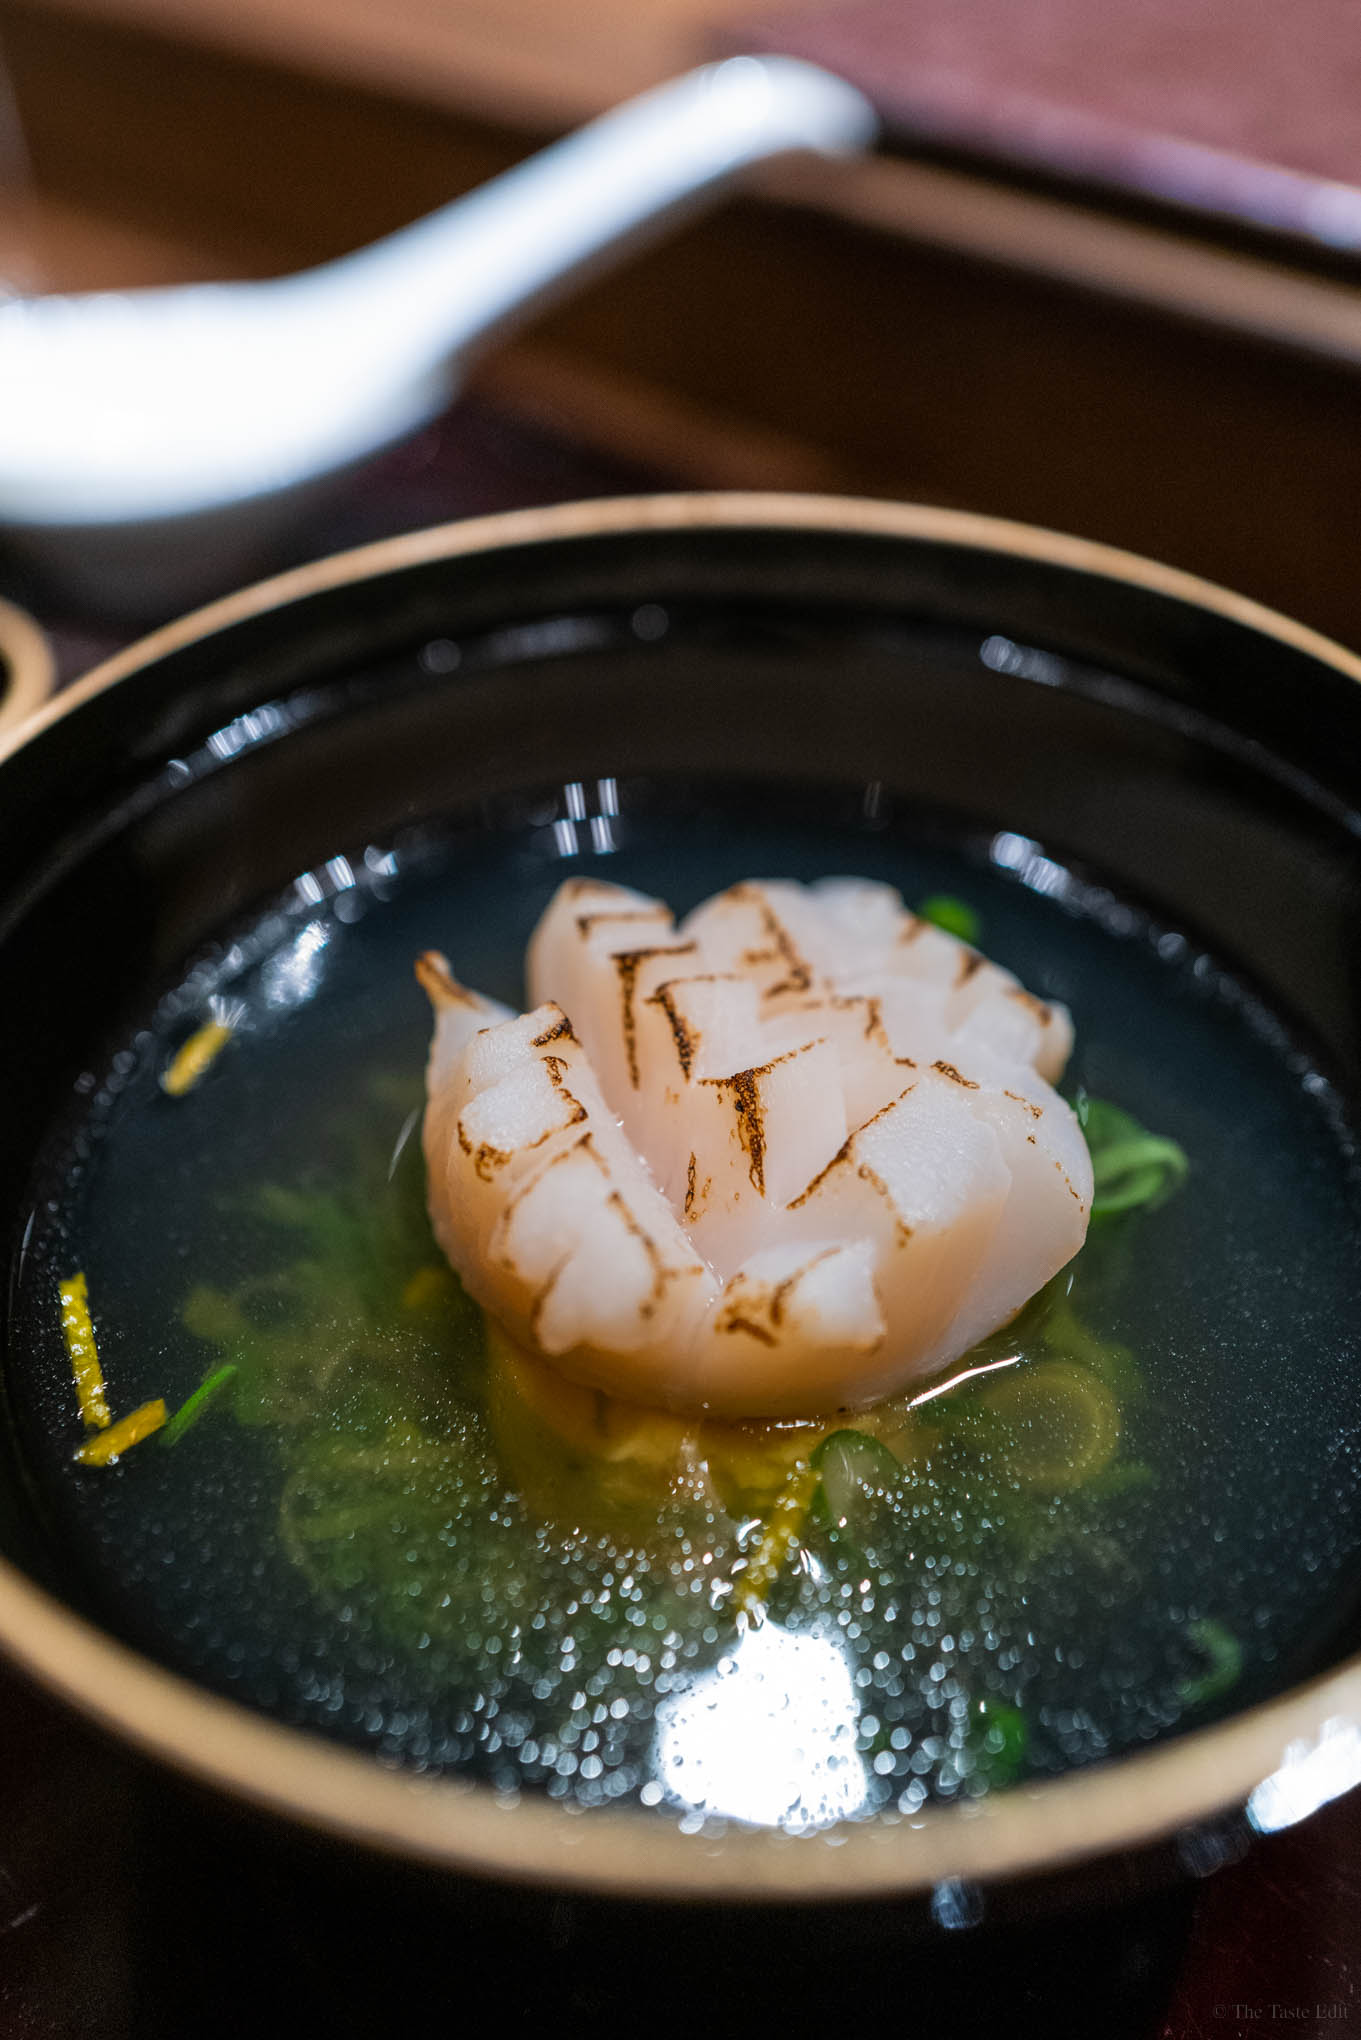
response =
{"points": [[426, 1461], [1131, 1168], [195, 1405], [956, 917], [408, 1459], [1225, 1666], [423, 1454]]}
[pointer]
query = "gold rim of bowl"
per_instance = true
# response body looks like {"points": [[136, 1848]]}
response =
{"points": [[27, 670]]}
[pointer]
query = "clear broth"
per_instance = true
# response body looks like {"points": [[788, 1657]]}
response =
{"points": [[1153, 1517]]}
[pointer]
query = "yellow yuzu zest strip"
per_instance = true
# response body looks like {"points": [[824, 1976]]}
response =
{"points": [[127, 1432], [194, 1057], [79, 1334], [780, 1540]]}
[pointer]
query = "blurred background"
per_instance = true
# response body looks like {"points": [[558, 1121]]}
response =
{"points": [[1102, 275]]}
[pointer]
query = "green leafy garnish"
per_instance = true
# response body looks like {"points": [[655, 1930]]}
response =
{"points": [[1225, 1655], [852, 1469], [424, 1487], [999, 1736], [360, 1361], [956, 917], [1131, 1167], [189, 1412]]}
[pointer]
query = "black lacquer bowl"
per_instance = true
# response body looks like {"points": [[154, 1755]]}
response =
{"points": [[1155, 766]]}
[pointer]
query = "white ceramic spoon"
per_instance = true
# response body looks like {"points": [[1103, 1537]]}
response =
{"points": [[150, 439]]}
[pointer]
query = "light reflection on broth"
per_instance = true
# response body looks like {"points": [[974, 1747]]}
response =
{"points": [[767, 1734]]}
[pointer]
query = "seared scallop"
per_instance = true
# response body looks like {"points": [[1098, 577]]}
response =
{"points": [[776, 1160]]}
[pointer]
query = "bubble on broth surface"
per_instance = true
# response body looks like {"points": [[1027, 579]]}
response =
{"points": [[1140, 1510]]}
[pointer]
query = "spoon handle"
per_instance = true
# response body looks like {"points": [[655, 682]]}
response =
{"points": [[450, 282]]}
